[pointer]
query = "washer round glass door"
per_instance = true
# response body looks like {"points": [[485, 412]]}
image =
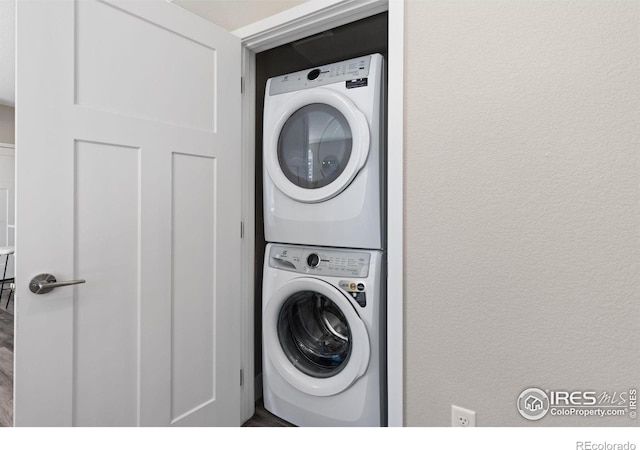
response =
{"points": [[314, 334], [314, 337], [316, 146]]}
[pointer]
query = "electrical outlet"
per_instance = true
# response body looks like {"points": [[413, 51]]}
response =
{"points": [[462, 417]]}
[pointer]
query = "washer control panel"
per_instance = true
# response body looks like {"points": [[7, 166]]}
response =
{"points": [[353, 72], [355, 290], [320, 261]]}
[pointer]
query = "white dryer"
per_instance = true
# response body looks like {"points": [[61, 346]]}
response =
{"points": [[323, 155], [324, 358]]}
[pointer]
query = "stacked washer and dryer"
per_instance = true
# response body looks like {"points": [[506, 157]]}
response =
{"points": [[324, 353]]}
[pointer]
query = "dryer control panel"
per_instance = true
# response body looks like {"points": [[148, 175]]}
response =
{"points": [[320, 261], [353, 72]]}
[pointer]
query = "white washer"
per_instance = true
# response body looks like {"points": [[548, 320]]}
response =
{"points": [[323, 159], [323, 336]]}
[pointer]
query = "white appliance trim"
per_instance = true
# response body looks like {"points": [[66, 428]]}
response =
{"points": [[307, 19]]}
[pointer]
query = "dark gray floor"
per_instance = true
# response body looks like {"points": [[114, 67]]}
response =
{"points": [[263, 418], [6, 363]]}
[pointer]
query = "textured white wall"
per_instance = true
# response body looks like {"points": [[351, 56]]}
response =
{"points": [[522, 205], [7, 124]]}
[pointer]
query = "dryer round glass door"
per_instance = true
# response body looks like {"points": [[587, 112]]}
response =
{"points": [[315, 145], [314, 337]]}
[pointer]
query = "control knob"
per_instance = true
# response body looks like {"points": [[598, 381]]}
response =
{"points": [[313, 260], [315, 73]]}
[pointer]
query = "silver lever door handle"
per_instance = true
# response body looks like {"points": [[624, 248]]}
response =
{"points": [[45, 282]]}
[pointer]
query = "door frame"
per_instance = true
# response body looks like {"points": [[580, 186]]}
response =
{"points": [[301, 21], [9, 150]]}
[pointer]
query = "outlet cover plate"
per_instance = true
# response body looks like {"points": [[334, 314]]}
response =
{"points": [[462, 417]]}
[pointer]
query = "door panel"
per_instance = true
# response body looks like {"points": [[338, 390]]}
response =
{"points": [[128, 178], [193, 294], [107, 211], [109, 38]]}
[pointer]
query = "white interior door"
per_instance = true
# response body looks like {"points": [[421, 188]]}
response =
{"points": [[128, 176]]}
